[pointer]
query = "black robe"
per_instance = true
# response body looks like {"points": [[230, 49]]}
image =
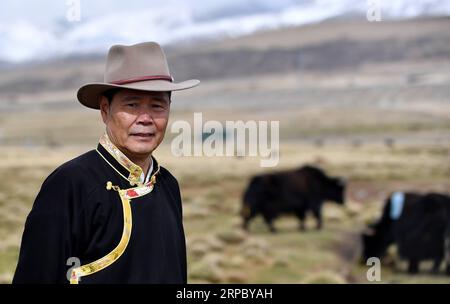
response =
{"points": [[74, 215]]}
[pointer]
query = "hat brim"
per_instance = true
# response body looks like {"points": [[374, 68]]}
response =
{"points": [[89, 94]]}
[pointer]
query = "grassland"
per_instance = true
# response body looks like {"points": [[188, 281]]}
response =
{"points": [[218, 251]]}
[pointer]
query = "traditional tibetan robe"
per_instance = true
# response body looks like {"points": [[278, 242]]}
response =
{"points": [[95, 209]]}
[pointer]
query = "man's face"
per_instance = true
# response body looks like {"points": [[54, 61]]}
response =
{"points": [[136, 121]]}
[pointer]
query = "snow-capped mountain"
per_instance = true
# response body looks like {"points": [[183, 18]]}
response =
{"points": [[26, 38]]}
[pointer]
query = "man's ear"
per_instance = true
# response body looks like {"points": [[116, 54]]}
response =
{"points": [[104, 107], [170, 98]]}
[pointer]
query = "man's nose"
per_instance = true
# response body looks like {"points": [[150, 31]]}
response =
{"points": [[145, 117]]}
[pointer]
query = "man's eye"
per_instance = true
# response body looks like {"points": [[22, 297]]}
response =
{"points": [[132, 105]]}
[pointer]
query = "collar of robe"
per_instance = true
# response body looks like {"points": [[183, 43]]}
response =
{"points": [[123, 165]]}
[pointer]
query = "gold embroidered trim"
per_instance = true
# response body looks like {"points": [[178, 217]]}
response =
{"points": [[126, 195], [111, 257], [122, 159], [152, 180], [104, 158]]}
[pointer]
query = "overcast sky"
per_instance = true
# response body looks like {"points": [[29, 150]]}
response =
{"points": [[44, 11], [33, 29]]}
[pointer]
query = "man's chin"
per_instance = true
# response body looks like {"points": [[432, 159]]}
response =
{"points": [[144, 150], [141, 148]]}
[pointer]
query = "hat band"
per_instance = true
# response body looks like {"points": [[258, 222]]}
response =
{"points": [[143, 78]]}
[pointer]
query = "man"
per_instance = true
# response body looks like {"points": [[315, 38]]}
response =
{"points": [[113, 213]]}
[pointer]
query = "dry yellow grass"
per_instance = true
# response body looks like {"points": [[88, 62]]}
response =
{"points": [[212, 189]]}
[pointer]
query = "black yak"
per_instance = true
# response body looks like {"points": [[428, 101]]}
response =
{"points": [[294, 191], [418, 224]]}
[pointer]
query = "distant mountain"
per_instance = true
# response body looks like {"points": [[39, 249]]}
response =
{"points": [[23, 40]]}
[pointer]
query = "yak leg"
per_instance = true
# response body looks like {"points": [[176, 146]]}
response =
{"points": [[447, 258], [247, 218], [317, 212], [447, 252], [245, 224], [269, 221], [413, 266], [301, 216], [436, 265]]}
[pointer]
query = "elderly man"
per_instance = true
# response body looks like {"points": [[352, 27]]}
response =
{"points": [[113, 214]]}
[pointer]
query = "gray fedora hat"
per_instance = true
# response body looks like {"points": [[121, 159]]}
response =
{"points": [[140, 66]]}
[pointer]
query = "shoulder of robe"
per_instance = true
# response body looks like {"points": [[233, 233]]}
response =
{"points": [[169, 177], [173, 186], [72, 177]]}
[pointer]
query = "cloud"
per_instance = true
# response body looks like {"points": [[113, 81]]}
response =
{"points": [[41, 31]]}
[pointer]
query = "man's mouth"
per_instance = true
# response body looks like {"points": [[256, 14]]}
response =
{"points": [[145, 135]]}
